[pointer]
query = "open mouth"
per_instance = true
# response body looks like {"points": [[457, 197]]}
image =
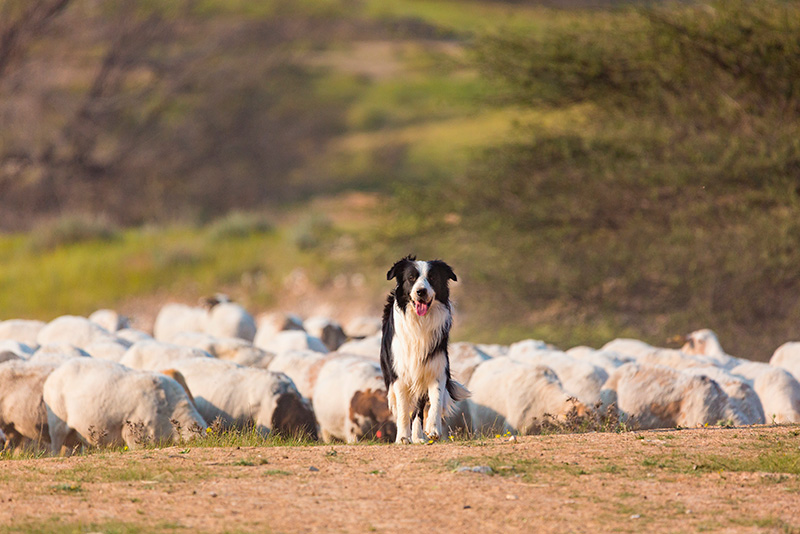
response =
{"points": [[422, 308]]}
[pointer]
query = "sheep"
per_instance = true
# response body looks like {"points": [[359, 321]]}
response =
{"points": [[493, 350], [302, 366], [352, 401], [173, 319], [107, 349], [628, 347], [651, 396], [368, 347], [234, 349], [23, 415], [743, 398], [464, 359], [22, 350], [132, 335], [777, 389], [244, 397], [14, 350], [363, 326], [269, 324], [580, 379], [518, 397], [57, 354], [110, 320], [177, 376], [21, 330], [327, 330], [102, 403], [290, 340], [607, 360], [227, 319], [154, 355], [787, 356], [74, 330], [704, 342]]}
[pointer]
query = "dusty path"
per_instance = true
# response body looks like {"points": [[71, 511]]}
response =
{"points": [[713, 480]]}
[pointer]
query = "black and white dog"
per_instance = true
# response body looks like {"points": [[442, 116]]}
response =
{"points": [[416, 329]]}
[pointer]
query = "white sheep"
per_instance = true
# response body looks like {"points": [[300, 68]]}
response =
{"points": [[57, 354], [21, 330], [464, 359], [601, 358], [154, 355], [270, 323], [327, 330], [132, 335], [23, 416], [245, 397], [742, 397], [302, 366], [628, 347], [227, 319], [513, 396], [351, 401], [363, 326], [102, 403], [290, 340], [580, 379], [21, 350], [368, 347], [110, 320], [233, 349], [777, 389], [173, 319], [704, 342], [650, 396], [76, 331], [787, 356]]}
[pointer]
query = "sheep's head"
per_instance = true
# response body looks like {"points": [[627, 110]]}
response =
{"points": [[370, 416], [702, 342]]}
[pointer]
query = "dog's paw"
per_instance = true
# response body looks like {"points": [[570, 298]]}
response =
{"points": [[404, 441], [432, 436]]}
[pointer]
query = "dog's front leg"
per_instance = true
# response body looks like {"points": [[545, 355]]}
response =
{"points": [[403, 415], [433, 421]]}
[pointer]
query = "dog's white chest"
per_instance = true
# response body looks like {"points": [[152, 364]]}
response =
{"points": [[414, 340]]}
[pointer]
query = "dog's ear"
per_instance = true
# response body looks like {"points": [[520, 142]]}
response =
{"points": [[445, 269], [398, 267]]}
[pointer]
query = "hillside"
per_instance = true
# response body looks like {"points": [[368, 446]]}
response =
{"points": [[591, 169]]}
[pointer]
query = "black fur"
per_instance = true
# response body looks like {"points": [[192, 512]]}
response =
{"points": [[387, 368]]}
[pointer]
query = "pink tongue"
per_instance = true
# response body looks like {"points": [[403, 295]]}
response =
{"points": [[422, 308]]}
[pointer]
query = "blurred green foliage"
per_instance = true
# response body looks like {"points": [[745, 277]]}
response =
{"points": [[666, 200]]}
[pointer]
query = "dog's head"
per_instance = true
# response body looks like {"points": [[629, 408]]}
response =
{"points": [[421, 283]]}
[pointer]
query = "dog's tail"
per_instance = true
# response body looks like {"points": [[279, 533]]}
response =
{"points": [[455, 392]]}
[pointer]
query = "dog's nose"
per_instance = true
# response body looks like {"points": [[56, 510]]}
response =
{"points": [[421, 292]]}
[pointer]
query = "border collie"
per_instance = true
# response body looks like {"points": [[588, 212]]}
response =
{"points": [[416, 329]]}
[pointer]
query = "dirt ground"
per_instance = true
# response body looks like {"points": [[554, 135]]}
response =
{"points": [[712, 480]]}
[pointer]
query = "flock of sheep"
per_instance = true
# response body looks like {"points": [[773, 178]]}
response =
{"points": [[95, 381]]}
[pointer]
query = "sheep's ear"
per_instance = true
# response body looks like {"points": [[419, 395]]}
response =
{"points": [[445, 269], [398, 267]]}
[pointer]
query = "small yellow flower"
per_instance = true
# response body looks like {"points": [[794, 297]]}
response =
{"points": [[208, 430], [497, 435], [125, 448]]}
